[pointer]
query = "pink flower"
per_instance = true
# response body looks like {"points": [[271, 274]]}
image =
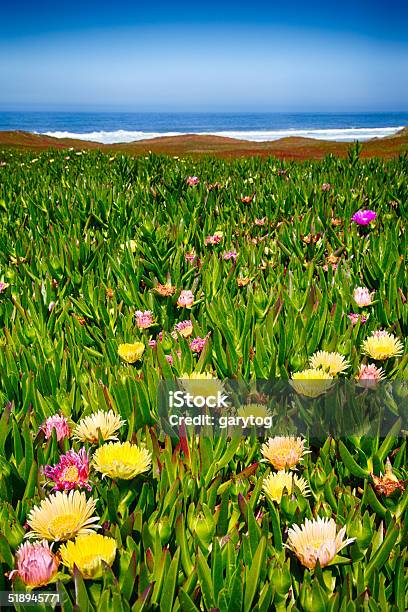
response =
{"points": [[184, 328], [333, 267], [355, 318], [363, 297], [230, 255], [364, 217], [71, 472], [36, 564], [144, 319], [326, 187], [214, 239], [153, 343], [186, 299], [59, 423], [3, 286], [380, 333], [198, 344], [192, 180], [260, 221], [169, 359], [370, 373], [190, 257]]}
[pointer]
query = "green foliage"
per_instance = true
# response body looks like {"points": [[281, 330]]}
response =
{"points": [[84, 241]]}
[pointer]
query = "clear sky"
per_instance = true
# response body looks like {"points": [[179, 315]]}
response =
{"points": [[216, 55]]}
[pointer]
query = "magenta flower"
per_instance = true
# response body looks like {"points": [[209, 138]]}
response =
{"points": [[71, 472], [192, 180], [59, 423], [153, 343], [230, 255], [198, 344], [355, 318], [144, 319], [169, 359], [36, 564], [364, 217]]}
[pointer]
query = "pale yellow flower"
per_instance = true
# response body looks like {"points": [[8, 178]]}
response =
{"points": [[62, 516], [382, 345], [101, 423], [87, 553], [317, 540], [131, 352], [121, 460], [330, 362], [284, 452], [130, 244], [275, 484], [311, 382], [255, 410], [201, 384]]}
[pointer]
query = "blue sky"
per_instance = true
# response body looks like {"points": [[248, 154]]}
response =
{"points": [[266, 56]]}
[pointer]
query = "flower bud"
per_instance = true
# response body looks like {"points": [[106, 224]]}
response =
{"points": [[203, 525], [36, 564]]}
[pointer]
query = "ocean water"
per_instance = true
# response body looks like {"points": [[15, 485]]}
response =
{"points": [[126, 127]]}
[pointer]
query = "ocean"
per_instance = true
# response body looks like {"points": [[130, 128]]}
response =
{"points": [[111, 127]]}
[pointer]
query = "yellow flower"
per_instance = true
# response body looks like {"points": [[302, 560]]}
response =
{"points": [[316, 540], [382, 345], [332, 363], [255, 410], [62, 516], [104, 423], [201, 384], [131, 352], [312, 382], [87, 553], [275, 484], [284, 452], [121, 460]]}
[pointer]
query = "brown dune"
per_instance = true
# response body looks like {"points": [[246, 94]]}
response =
{"points": [[193, 144]]}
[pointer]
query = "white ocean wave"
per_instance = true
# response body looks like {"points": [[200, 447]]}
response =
{"points": [[338, 134]]}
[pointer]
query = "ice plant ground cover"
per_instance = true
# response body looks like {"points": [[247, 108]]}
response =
{"points": [[116, 273]]}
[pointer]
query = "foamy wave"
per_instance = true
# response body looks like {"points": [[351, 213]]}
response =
{"points": [[111, 137], [338, 134]]}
